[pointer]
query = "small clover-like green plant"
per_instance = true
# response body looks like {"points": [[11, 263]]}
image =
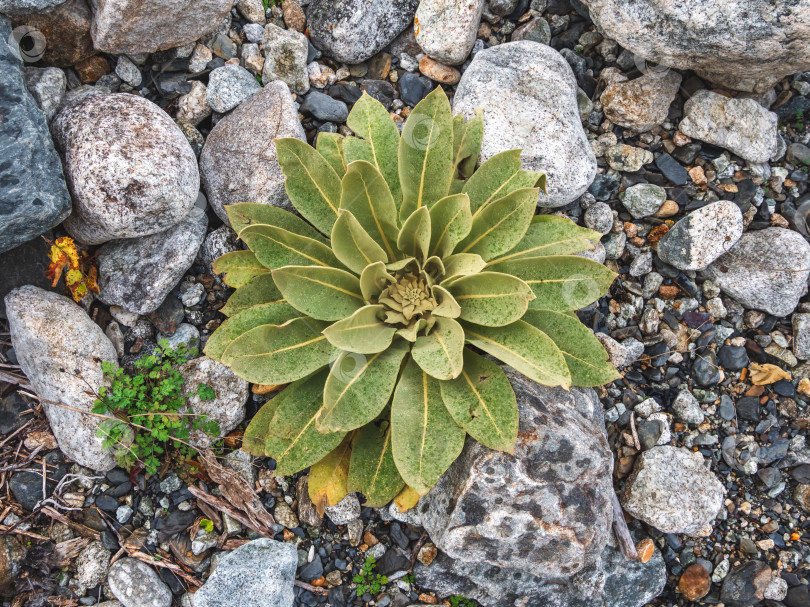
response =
{"points": [[146, 410], [207, 524], [460, 601], [378, 306], [367, 580]]}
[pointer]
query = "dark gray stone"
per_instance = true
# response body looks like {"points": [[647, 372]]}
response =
{"points": [[671, 169], [324, 107], [11, 413], [745, 584], [412, 89], [33, 194]]}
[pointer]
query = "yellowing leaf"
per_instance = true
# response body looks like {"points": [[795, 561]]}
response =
{"points": [[328, 478], [763, 375]]}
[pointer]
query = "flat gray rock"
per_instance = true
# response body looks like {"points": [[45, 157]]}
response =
{"points": [[642, 103], [766, 270], [239, 161], [60, 351], [33, 194], [747, 45], [546, 510], [672, 489], [528, 94], [230, 85], [136, 584], [138, 273], [146, 26], [285, 58], [257, 574], [741, 126], [698, 239], [130, 170], [352, 31], [643, 199]]}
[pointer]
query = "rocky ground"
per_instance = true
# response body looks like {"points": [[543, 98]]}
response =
{"points": [[130, 125]]}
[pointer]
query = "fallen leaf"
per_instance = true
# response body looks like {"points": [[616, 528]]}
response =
{"points": [[763, 375]]}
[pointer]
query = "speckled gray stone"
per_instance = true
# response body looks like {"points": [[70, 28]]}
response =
{"points": [[285, 58], [547, 509], [642, 103], [528, 94], [230, 85], [345, 511], [130, 170], [447, 28], [146, 26], [257, 574], [33, 194], [47, 85], [746, 45], [672, 489], [239, 162], [766, 270], [643, 199], [27, 7], [60, 351], [136, 584], [742, 126], [698, 239], [352, 31]]}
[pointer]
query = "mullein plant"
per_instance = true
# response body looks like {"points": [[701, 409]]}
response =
{"points": [[378, 306]]}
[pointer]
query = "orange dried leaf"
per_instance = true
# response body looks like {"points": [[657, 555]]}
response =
{"points": [[763, 375]]}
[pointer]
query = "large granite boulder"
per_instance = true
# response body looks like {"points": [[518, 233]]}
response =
{"points": [[766, 270], [747, 45], [352, 31], [612, 581], [24, 7], [528, 94], [60, 351], [546, 510], [66, 31], [239, 161], [129, 167], [146, 26], [33, 194]]}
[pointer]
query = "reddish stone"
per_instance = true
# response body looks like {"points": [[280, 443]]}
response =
{"points": [[66, 31], [92, 69], [695, 582]]}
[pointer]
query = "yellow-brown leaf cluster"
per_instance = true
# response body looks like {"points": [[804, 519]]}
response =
{"points": [[76, 265]]}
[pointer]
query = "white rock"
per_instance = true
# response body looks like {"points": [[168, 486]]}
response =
{"points": [[528, 94], [61, 350], [136, 584], [687, 408], [92, 565], [285, 58], [193, 106], [230, 85], [345, 511], [447, 28], [128, 71], [642, 103]]}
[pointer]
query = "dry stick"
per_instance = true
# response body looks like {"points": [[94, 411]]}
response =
{"points": [[78, 527], [14, 379], [10, 529], [310, 587], [176, 569], [626, 544], [17, 431], [636, 442], [221, 504]]}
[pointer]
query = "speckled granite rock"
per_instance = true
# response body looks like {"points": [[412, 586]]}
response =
{"points": [[25, 7], [741, 126], [747, 45], [146, 26], [33, 194], [136, 584], [766, 270], [447, 28], [138, 273], [642, 103], [672, 489], [529, 97], [60, 350], [239, 162], [352, 31], [129, 168], [285, 58], [547, 509]]}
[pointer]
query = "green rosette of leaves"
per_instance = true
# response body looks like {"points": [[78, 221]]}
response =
{"points": [[377, 307]]}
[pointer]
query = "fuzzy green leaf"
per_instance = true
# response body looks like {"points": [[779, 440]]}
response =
{"points": [[352, 245], [482, 401], [274, 355], [380, 144], [330, 146], [440, 354], [275, 247], [551, 235], [246, 319], [294, 402], [260, 290], [585, 355], [525, 348], [562, 282], [259, 429], [497, 177], [364, 192], [327, 483], [372, 470], [425, 438], [467, 138], [239, 268], [312, 184], [451, 222], [426, 153], [363, 332], [500, 225], [358, 387], [491, 298], [247, 214], [373, 280], [322, 293], [414, 237], [446, 306], [462, 264]]}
